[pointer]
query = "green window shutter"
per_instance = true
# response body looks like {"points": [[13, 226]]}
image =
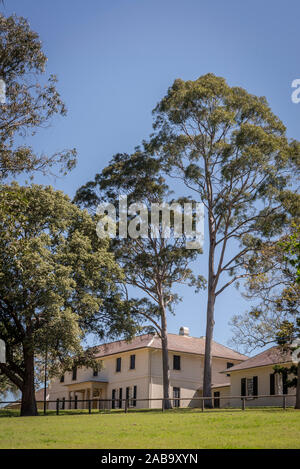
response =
{"points": [[243, 387], [255, 385], [272, 384]]}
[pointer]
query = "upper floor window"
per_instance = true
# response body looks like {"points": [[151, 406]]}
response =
{"points": [[118, 364], [176, 362], [132, 362], [229, 365], [95, 372], [62, 378], [74, 373]]}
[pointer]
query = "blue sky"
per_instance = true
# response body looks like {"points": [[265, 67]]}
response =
{"points": [[115, 60]]}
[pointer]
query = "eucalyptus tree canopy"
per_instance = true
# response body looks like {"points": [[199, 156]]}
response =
{"points": [[232, 152], [30, 101]]}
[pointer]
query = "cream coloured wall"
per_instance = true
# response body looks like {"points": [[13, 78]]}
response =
{"points": [[147, 376], [189, 379], [263, 375], [115, 380]]}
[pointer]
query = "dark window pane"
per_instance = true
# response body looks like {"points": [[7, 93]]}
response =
{"points": [[216, 399], [118, 364], [176, 362], [62, 378], [134, 396], [284, 383], [243, 387], [113, 397], [272, 384], [74, 373], [255, 385], [132, 362]]}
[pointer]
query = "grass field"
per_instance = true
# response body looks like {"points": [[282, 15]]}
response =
{"points": [[175, 429]]}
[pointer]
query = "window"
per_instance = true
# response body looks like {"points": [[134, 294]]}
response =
{"points": [[74, 373], [63, 403], [272, 384], [284, 384], [120, 398], [95, 372], [249, 386], [176, 362], [127, 392], [229, 365], [133, 402], [62, 378], [113, 398], [217, 399], [278, 383], [176, 397], [118, 364], [132, 362]]}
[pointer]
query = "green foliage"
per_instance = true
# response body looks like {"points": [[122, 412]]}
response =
{"points": [[292, 248], [154, 265], [54, 276], [30, 100], [231, 151]]}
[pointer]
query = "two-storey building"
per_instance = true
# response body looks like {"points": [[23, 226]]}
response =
{"points": [[133, 370]]}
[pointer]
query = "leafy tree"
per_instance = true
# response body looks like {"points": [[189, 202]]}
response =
{"points": [[30, 102], [151, 262], [54, 276], [228, 147]]}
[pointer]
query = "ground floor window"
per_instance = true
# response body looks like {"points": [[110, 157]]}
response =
{"points": [[217, 399], [120, 398], [134, 396], [249, 386], [176, 397], [113, 399], [278, 384]]}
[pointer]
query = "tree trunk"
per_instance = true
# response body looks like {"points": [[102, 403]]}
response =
{"points": [[208, 346], [28, 405], [297, 406], [165, 362]]}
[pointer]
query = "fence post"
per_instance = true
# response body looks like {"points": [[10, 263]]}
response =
{"points": [[202, 404], [57, 406], [284, 402], [163, 405], [243, 403], [90, 406], [45, 407]]}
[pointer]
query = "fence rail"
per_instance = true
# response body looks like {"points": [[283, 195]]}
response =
{"points": [[110, 404]]}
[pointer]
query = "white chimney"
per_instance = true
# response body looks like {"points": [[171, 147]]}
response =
{"points": [[184, 331]]}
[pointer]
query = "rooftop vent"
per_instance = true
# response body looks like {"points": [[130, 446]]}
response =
{"points": [[184, 331]]}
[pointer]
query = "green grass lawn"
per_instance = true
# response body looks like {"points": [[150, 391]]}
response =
{"points": [[175, 429]]}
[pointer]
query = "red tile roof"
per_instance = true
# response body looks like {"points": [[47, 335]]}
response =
{"points": [[176, 343], [272, 356]]}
